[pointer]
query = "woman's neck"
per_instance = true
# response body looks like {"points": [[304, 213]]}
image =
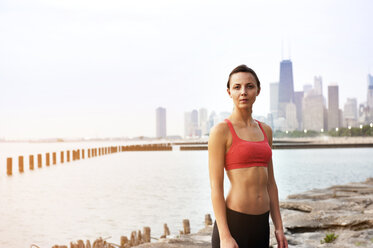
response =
{"points": [[242, 115]]}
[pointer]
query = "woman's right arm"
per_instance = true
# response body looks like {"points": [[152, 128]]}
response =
{"points": [[216, 149]]}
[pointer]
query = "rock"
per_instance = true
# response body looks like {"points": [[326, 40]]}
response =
{"points": [[296, 206]]}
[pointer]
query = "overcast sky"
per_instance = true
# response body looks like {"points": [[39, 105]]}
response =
{"points": [[87, 68]]}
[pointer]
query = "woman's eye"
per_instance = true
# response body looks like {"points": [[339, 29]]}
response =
{"points": [[237, 87]]}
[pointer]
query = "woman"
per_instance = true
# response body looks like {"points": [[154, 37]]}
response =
{"points": [[242, 146]]}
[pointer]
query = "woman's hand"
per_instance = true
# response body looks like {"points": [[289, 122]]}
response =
{"points": [[281, 239], [228, 243]]}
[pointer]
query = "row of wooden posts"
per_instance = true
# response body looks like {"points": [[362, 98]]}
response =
{"points": [[75, 155], [136, 238], [92, 152], [80, 154]]}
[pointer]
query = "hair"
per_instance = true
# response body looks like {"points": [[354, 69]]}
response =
{"points": [[243, 68]]}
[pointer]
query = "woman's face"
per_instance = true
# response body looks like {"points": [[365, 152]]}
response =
{"points": [[243, 89]]}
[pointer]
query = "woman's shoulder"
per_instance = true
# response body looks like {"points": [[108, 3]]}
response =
{"points": [[220, 130], [265, 126], [267, 129]]}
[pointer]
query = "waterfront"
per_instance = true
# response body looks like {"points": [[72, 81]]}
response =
{"points": [[115, 194]]}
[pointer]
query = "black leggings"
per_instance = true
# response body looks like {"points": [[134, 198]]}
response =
{"points": [[249, 231]]}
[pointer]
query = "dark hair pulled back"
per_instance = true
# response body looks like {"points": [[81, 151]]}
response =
{"points": [[243, 68]]}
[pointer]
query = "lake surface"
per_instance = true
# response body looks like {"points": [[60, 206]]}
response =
{"points": [[112, 195]]}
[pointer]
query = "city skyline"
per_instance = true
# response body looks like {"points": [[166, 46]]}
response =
{"points": [[90, 69]]}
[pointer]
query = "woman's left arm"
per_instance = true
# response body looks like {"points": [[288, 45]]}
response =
{"points": [[273, 196]]}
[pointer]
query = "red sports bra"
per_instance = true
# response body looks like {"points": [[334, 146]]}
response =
{"points": [[243, 153]]}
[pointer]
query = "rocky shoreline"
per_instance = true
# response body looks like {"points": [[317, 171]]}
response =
{"points": [[345, 211]]}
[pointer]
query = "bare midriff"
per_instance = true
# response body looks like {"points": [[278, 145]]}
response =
{"points": [[248, 193]]}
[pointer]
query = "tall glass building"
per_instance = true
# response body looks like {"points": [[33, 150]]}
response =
{"points": [[160, 122], [286, 86], [370, 91]]}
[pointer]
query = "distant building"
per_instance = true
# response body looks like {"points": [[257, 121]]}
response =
{"points": [[333, 107], [273, 106], [298, 99], [203, 121], [291, 117], [318, 85], [313, 112], [160, 122], [369, 118], [307, 88], [350, 112], [213, 120], [191, 128], [370, 91], [363, 114], [286, 86]]}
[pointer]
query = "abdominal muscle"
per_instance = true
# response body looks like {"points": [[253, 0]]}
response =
{"points": [[248, 193]]}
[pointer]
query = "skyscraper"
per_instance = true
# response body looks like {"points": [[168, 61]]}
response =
{"points": [[333, 107], [313, 112], [286, 86], [203, 121], [291, 117], [370, 91], [191, 124], [318, 85], [298, 99], [160, 122], [350, 112], [273, 106], [370, 99]]}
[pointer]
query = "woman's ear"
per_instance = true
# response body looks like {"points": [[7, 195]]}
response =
{"points": [[229, 92], [258, 91]]}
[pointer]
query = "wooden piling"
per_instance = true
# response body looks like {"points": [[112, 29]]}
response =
{"points": [[133, 240], [186, 226], [47, 159], [82, 153], [124, 241], [39, 160], [166, 231], [9, 170], [139, 237], [54, 158], [99, 151], [31, 162], [89, 152], [67, 156], [146, 237], [81, 244], [20, 164], [78, 154], [62, 158], [208, 220]]}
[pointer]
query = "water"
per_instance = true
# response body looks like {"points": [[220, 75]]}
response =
{"points": [[115, 194]]}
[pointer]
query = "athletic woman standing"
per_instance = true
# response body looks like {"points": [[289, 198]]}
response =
{"points": [[242, 146]]}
